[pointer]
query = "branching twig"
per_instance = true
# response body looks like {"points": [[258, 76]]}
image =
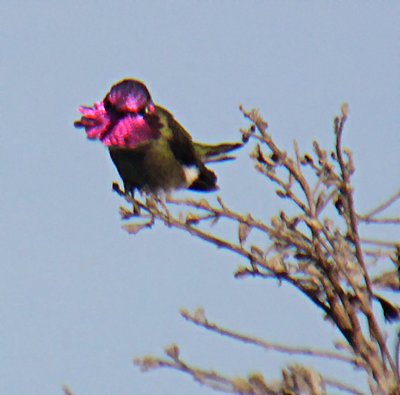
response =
{"points": [[310, 382]]}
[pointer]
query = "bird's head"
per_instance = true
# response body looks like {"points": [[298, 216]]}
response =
{"points": [[123, 118], [129, 96]]}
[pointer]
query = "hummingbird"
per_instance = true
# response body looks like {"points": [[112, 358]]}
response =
{"points": [[151, 150]]}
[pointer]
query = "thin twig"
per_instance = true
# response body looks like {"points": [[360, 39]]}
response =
{"points": [[388, 244], [383, 206], [203, 322], [384, 221], [224, 212], [342, 386]]}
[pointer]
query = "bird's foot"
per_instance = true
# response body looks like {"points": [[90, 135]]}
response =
{"points": [[126, 214], [136, 208]]}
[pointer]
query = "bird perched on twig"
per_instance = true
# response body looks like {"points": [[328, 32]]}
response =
{"points": [[150, 149]]}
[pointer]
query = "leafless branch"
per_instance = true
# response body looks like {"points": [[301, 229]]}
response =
{"points": [[322, 256]]}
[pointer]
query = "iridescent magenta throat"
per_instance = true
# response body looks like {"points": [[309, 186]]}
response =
{"points": [[125, 130]]}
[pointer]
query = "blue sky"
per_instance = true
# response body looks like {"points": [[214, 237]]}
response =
{"points": [[79, 298]]}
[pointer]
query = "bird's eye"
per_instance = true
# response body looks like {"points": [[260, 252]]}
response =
{"points": [[143, 111]]}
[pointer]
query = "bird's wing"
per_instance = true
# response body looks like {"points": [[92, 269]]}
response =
{"points": [[179, 139]]}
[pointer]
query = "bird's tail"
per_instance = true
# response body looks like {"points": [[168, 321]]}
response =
{"points": [[206, 181], [215, 152]]}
